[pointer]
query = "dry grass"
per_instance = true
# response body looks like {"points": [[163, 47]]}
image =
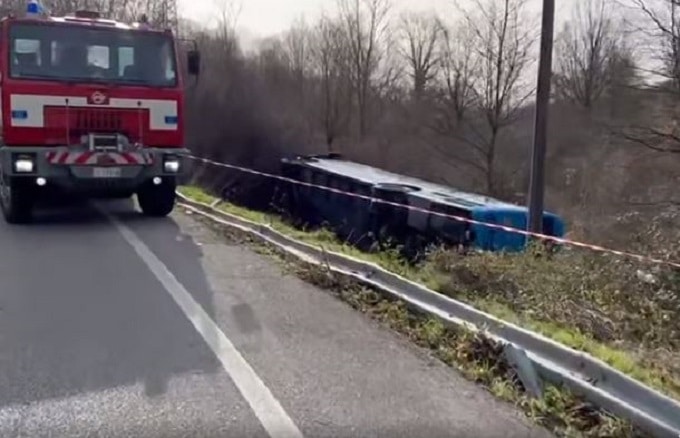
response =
{"points": [[476, 356], [609, 307], [592, 302]]}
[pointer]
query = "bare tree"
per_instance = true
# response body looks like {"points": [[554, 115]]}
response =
{"points": [[455, 95], [125, 10], [161, 13], [421, 34], [227, 15], [661, 138], [658, 27], [296, 46], [502, 40], [457, 74], [366, 28], [659, 22], [330, 58], [586, 52], [245, 111]]}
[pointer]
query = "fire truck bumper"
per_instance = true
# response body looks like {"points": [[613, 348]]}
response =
{"points": [[92, 173]]}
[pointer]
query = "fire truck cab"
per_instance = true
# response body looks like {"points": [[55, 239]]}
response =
{"points": [[89, 106]]}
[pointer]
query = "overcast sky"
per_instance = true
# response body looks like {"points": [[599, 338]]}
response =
{"points": [[263, 18], [260, 18]]}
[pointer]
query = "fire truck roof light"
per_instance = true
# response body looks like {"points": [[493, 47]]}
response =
{"points": [[33, 9]]}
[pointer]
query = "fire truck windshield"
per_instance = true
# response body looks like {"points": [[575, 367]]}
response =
{"points": [[79, 54]]}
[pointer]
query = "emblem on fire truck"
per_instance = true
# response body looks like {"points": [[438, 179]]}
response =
{"points": [[98, 98]]}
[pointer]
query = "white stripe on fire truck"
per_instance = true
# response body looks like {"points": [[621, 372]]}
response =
{"points": [[162, 113]]}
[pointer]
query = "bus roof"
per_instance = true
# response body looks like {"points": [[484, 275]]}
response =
{"points": [[438, 193]]}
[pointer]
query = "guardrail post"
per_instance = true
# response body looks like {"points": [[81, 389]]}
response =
{"points": [[517, 358]]}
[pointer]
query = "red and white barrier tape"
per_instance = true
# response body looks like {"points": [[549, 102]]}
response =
{"points": [[589, 246]]}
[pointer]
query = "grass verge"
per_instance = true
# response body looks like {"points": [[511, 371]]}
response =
{"points": [[597, 304], [477, 357]]}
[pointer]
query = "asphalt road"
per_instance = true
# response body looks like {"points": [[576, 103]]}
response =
{"points": [[115, 325]]}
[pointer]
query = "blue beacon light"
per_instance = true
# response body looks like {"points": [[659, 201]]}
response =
{"points": [[33, 8]]}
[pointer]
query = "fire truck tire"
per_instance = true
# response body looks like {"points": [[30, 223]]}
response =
{"points": [[17, 202], [157, 200]]}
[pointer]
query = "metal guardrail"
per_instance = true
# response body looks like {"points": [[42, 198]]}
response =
{"points": [[598, 382]]}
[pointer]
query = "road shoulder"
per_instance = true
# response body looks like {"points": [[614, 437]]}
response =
{"points": [[336, 371]]}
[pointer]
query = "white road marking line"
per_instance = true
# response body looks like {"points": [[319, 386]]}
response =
{"points": [[267, 409]]}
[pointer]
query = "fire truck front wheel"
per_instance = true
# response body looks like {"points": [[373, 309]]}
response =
{"points": [[157, 200], [16, 200]]}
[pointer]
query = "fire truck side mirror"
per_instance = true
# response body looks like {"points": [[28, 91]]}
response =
{"points": [[194, 62]]}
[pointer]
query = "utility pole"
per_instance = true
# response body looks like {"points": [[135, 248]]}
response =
{"points": [[537, 184]]}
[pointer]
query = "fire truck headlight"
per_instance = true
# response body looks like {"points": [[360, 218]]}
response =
{"points": [[24, 165], [171, 165]]}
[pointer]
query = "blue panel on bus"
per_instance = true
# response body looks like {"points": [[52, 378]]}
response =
{"points": [[496, 239]]}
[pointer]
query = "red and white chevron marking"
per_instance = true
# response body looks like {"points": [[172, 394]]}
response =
{"points": [[87, 158]]}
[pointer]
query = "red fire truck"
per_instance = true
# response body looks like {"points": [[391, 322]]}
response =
{"points": [[90, 106]]}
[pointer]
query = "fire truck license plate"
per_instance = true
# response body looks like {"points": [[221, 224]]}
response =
{"points": [[106, 172]]}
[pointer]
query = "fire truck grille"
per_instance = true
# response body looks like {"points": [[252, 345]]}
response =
{"points": [[97, 120], [88, 120]]}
